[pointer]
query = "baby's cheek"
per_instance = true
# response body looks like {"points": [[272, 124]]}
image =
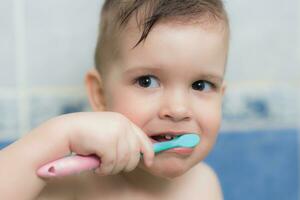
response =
{"points": [[134, 111], [210, 122], [138, 117]]}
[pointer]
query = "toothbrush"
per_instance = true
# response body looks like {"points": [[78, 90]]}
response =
{"points": [[76, 164]]}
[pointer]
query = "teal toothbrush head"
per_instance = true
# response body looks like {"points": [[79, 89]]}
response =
{"points": [[187, 140]]}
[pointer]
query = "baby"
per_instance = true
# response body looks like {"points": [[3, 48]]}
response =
{"points": [[159, 73]]}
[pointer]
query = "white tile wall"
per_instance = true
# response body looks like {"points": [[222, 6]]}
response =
{"points": [[261, 105], [265, 40], [46, 47], [48, 105], [9, 122], [61, 37], [7, 45]]}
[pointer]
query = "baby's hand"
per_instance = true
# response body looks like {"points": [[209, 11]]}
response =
{"points": [[115, 139]]}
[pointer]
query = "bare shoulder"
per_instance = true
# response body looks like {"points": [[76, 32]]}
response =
{"points": [[59, 189], [209, 184]]}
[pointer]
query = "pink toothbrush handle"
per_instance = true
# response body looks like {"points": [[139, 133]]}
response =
{"points": [[68, 165]]}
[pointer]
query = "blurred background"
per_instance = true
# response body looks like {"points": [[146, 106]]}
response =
{"points": [[47, 46]]}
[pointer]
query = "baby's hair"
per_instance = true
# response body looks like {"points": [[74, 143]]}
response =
{"points": [[116, 14]]}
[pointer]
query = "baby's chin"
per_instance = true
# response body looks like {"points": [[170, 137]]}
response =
{"points": [[167, 169]]}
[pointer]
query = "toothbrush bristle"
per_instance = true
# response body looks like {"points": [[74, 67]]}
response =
{"points": [[188, 140]]}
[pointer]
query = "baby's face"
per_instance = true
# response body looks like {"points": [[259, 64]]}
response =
{"points": [[172, 83]]}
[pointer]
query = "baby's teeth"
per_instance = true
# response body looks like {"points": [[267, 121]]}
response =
{"points": [[168, 137]]}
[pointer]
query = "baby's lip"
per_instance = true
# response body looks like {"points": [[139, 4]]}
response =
{"points": [[171, 132]]}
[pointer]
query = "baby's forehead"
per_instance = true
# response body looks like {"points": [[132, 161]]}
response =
{"points": [[180, 45], [134, 31], [134, 27]]}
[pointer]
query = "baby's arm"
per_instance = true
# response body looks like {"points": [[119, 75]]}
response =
{"points": [[19, 161], [112, 137]]}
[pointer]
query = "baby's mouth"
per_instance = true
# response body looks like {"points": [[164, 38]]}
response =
{"points": [[163, 138]]}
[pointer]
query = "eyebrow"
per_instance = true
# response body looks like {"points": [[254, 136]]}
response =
{"points": [[141, 69], [212, 78]]}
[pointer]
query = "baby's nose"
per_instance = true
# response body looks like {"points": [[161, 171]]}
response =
{"points": [[175, 107]]}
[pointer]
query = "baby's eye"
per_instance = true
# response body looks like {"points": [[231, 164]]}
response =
{"points": [[202, 85], [147, 81]]}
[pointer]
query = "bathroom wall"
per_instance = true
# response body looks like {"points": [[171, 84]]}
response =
{"points": [[47, 46]]}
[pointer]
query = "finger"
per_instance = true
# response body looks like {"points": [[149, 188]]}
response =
{"points": [[108, 161], [134, 146], [123, 155], [145, 145]]}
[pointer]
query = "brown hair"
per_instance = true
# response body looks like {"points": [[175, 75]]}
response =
{"points": [[116, 14]]}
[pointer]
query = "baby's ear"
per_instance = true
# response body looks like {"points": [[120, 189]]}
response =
{"points": [[94, 87]]}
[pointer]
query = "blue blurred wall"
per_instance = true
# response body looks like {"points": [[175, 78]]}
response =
{"points": [[260, 164]]}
